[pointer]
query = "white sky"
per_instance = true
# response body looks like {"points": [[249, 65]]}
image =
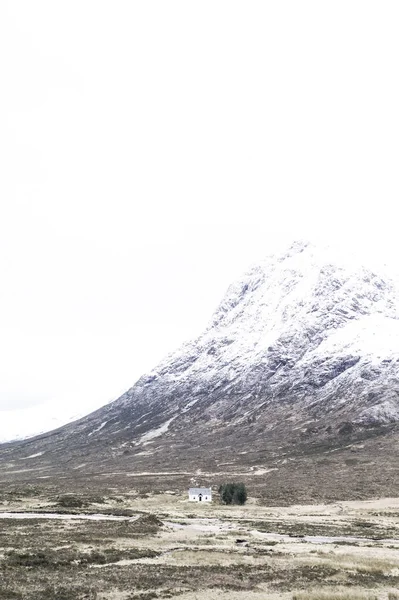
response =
{"points": [[151, 150]]}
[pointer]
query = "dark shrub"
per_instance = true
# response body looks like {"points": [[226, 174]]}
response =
{"points": [[233, 493], [71, 501]]}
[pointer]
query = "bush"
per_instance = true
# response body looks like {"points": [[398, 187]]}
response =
{"points": [[233, 493], [71, 501]]}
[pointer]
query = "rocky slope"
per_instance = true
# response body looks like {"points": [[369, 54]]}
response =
{"points": [[300, 358]]}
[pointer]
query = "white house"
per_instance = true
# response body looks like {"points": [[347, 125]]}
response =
{"points": [[200, 494]]}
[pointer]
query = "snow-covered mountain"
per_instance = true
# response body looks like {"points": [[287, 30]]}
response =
{"points": [[300, 327], [302, 350]]}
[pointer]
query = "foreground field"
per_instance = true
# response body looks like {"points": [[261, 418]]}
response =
{"points": [[162, 546]]}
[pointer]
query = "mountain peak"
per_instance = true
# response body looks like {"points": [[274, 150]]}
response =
{"points": [[307, 279]]}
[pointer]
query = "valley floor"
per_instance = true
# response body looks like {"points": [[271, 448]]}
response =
{"points": [[162, 546]]}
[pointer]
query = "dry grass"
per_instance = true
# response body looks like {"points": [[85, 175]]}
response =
{"points": [[187, 551], [334, 594], [358, 561]]}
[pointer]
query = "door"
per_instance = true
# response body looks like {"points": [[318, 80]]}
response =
{"points": [[200, 497]]}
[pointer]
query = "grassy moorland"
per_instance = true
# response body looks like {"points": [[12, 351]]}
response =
{"points": [[162, 546]]}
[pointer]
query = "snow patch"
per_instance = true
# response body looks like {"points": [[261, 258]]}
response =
{"points": [[98, 428], [189, 405], [386, 412], [373, 335], [263, 471], [154, 433], [32, 456]]}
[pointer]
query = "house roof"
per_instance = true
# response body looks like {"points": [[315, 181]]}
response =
{"points": [[196, 491]]}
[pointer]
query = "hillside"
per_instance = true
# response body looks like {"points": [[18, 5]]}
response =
{"points": [[294, 386]]}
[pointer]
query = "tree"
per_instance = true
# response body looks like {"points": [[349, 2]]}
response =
{"points": [[233, 493]]}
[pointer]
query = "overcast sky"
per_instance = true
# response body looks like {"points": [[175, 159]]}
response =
{"points": [[151, 150]]}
